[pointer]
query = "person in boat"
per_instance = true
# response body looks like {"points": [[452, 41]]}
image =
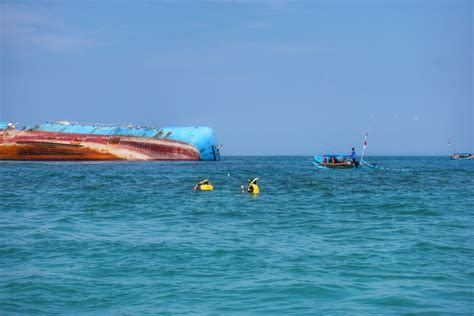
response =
{"points": [[354, 158], [252, 187], [204, 185]]}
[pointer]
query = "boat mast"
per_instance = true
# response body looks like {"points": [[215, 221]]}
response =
{"points": [[364, 147]]}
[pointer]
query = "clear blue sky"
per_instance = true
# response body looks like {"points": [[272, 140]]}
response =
{"points": [[271, 77]]}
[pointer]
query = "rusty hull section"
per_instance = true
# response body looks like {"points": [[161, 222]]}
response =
{"points": [[34, 145]]}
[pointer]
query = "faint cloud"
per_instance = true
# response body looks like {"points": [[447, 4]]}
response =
{"points": [[293, 49], [38, 29], [223, 54], [62, 43], [273, 4], [182, 59], [257, 25], [276, 48], [414, 117], [199, 24]]}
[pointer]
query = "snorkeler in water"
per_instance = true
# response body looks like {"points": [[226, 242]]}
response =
{"points": [[252, 187], [204, 185]]}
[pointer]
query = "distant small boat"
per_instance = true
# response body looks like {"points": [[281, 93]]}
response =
{"points": [[462, 156]]}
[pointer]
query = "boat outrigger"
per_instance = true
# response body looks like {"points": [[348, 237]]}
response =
{"points": [[462, 156]]}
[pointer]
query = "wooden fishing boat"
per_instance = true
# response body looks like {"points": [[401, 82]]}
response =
{"points": [[334, 161], [343, 161], [338, 161]]}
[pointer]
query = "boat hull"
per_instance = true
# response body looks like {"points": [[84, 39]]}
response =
{"points": [[463, 158], [334, 165], [33, 145]]}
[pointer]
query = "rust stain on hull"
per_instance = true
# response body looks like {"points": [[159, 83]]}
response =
{"points": [[26, 145], [45, 151]]}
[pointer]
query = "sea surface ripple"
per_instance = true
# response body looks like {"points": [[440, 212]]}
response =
{"points": [[134, 238]]}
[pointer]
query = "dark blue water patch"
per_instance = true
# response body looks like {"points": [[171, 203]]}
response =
{"points": [[134, 238]]}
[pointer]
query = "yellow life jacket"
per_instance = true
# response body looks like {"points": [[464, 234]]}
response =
{"points": [[253, 188], [206, 187]]}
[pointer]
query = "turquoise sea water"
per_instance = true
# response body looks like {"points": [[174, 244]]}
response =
{"points": [[134, 238]]}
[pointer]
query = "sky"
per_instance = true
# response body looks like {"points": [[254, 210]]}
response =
{"points": [[271, 77]]}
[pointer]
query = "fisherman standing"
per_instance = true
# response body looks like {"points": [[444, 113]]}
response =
{"points": [[353, 155], [354, 158]]}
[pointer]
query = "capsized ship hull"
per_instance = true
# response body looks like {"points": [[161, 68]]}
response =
{"points": [[71, 141]]}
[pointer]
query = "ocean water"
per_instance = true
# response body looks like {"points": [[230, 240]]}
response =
{"points": [[134, 238]]}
